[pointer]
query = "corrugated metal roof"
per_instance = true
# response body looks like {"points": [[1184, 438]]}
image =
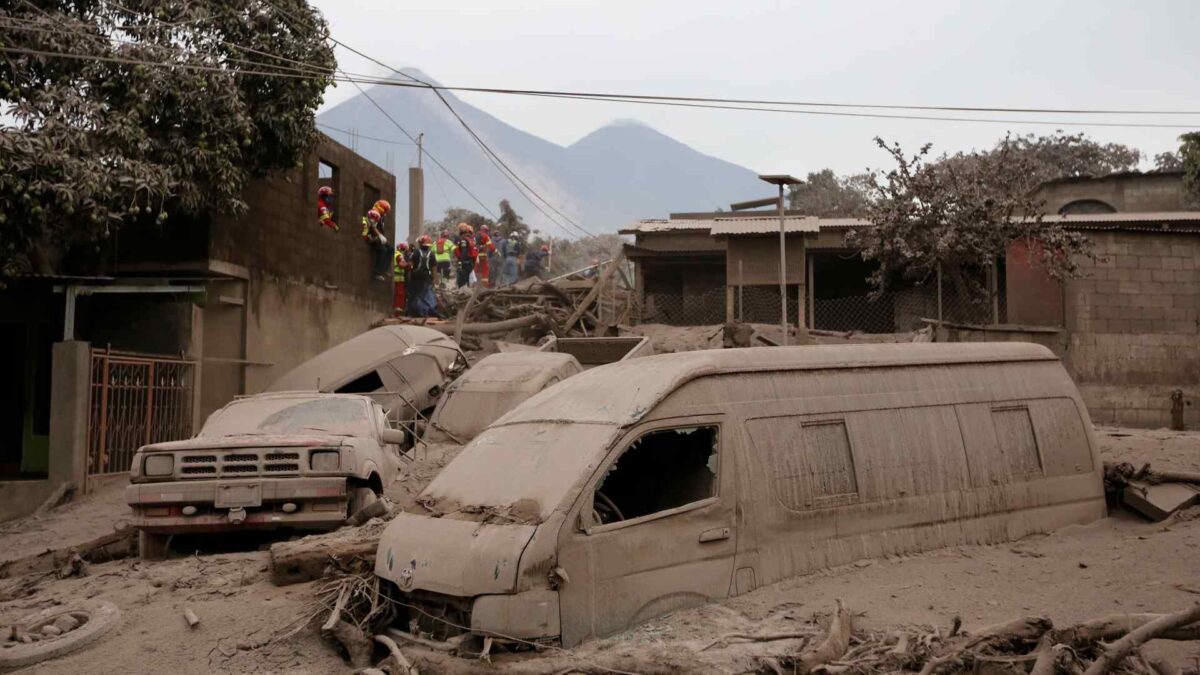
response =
{"points": [[660, 225], [740, 226]]}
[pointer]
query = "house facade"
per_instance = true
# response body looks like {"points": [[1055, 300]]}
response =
{"points": [[180, 320], [1127, 330]]}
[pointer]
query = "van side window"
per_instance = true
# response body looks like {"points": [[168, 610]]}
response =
{"points": [[811, 464], [366, 383], [1014, 436], [661, 470]]}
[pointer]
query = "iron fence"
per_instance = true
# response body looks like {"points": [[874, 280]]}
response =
{"points": [[135, 399]]}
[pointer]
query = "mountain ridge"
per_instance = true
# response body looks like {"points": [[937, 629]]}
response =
{"points": [[617, 173]]}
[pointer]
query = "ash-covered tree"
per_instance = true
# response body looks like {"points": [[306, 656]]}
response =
{"points": [[509, 221], [1168, 161], [128, 113], [455, 215], [827, 195], [1057, 155], [960, 216], [1189, 156]]}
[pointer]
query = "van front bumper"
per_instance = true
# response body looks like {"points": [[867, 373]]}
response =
{"points": [[320, 503]]}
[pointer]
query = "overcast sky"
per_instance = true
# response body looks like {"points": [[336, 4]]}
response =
{"points": [[1089, 54]]}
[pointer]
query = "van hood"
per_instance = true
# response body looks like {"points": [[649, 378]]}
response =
{"points": [[453, 557], [246, 441]]}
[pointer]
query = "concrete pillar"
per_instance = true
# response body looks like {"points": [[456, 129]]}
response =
{"points": [[70, 382]]}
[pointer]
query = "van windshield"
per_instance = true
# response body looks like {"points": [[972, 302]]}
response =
{"points": [[320, 414], [539, 461]]}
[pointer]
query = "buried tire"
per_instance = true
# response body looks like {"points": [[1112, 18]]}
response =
{"points": [[152, 546], [361, 497], [93, 620]]}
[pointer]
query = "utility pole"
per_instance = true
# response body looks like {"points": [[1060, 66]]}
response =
{"points": [[416, 193], [782, 181]]}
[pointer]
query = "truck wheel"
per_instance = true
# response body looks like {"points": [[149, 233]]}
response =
{"points": [[153, 546], [360, 498], [89, 620]]}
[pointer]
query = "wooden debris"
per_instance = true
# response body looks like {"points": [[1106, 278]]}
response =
{"points": [[399, 664], [833, 646], [1114, 653]]}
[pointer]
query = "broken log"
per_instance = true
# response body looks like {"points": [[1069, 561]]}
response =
{"points": [[401, 665], [357, 648], [833, 646], [588, 299], [496, 326], [1027, 629], [1116, 652], [293, 562], [462, 314], [112, 546]]}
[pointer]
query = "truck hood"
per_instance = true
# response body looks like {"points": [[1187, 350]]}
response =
{"points": [[453, 557], [247, 441]]}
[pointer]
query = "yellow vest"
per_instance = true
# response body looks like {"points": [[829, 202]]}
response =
{"points": [[442, 250], [397, 270]]}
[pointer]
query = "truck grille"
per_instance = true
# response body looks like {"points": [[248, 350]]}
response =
{"points": [[268, 461], [425, 613]]}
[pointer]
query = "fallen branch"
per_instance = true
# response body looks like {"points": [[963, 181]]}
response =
{"points": [[769, 637], [495, 326], [1116, 652], [833, 646], [402, 664], [1028, 629]]}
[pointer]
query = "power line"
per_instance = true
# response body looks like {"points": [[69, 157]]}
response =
{"points": [[495, 159], [349, 132]]}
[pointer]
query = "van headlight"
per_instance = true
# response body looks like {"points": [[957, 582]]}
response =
{"points": [[324, 460], [159, 465]]}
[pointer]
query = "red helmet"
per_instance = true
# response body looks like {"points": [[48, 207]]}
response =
{"points": [[425, 239], [383, 206], [374, 215], [402, 246], [484, 228], [325, 191], [545, 248]]}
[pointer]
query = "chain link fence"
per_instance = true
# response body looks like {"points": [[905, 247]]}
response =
{"points": [[901, 309]]}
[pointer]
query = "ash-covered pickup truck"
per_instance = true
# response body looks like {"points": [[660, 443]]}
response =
{"points": [[301, 460]]}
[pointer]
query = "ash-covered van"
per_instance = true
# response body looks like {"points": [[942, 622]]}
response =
{"points": [[645, 486]]}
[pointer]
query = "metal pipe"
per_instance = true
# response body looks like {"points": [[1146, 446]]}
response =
{"points": [[783, 321]]}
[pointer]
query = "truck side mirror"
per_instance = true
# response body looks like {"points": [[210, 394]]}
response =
{"points": [[394, 437]]}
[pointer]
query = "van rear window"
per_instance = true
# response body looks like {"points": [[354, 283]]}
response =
{"points": [[1014, 436], [810, 461]]}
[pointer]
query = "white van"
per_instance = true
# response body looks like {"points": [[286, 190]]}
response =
{"points": [[645, 486]]}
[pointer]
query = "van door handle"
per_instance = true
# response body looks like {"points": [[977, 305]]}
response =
{"points": [[715, 534]]}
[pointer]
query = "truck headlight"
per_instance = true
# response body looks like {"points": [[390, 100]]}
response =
{"points": [[159, 465], [325, 460]]}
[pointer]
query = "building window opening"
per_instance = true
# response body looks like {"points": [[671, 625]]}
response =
{"points": [[367, 383], [659, 471]]}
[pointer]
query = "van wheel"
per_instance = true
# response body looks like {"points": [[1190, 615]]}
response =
{"points": [[360, 498], [153, 546]]}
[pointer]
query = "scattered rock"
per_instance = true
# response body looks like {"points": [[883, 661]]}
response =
{"points": [[66, 622], [51, 630]]}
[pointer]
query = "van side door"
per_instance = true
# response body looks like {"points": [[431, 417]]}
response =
{"points": [[652, 531]]}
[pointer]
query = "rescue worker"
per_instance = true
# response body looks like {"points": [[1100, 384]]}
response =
{"points": [[514, 247], [443, 251], [380, 251], [325, 208], [399, 267], [421, 264], [466, 252], [533, 261], [486, 248]]}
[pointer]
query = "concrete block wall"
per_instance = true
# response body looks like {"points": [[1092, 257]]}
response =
{"points": [[1122, 192], [1134, 327]]}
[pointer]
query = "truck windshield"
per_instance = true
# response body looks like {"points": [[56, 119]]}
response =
{"points": [[539, 461], [257, 416]]}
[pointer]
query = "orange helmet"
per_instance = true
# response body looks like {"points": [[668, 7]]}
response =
{"points": [[325, 191], [374, 215], [425, 240], [383, 207]]}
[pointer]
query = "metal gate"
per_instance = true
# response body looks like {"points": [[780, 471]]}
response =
{"points": [[135, 399]]}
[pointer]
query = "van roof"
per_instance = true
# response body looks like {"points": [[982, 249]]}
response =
{"points": [[354, 356], [621, 393], [516, 371]]}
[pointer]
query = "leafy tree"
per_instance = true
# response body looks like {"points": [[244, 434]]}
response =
{"points": [[1168, 161], [827, 195], [453, 217], [961, 216], [1058, 155], [509, 222], [1189, 154], [125, 113]]}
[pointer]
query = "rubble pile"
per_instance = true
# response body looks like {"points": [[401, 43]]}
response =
{"points": [[525, 311]]}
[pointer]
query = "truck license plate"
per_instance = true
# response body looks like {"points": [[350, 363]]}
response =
{"points": [[232, 496]]}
